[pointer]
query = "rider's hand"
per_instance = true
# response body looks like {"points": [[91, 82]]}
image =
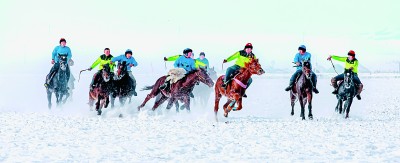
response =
{"points": [[329, 58], [111, 62], [224, 61], [52, 62], [297, 63], [90, 69], [165, 59], [351, 68], [131, 65]]}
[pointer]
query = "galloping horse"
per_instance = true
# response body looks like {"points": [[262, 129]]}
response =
{"points": [[235, 89], [202, 92], [102, 90], [124, 86], [302, 90], [346, 92], [179, 90], [58, 84]]}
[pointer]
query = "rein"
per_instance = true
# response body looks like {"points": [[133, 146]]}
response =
{"points": [[80, 74], [334, 67]]}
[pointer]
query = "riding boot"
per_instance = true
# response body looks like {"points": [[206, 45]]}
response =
{"points": [[314, 87], [359, 90], [290, 86], [191, 95], [335, 86]]}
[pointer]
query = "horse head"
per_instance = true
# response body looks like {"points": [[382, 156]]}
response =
{"points": [[122, 70], [348, 79], [106, 73], [254, 66], [63, 61], [306, 68], [203, 76]]}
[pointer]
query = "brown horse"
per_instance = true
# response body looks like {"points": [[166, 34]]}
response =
{"points": [[302, 90], [102, 90], [179, 90], [235, 89]]}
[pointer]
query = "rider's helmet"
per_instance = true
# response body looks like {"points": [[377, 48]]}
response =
{"points": [[248, 45], [128, 51], [351, 53], [303, 48], [202, 54], [62, 40], [186, 51]]}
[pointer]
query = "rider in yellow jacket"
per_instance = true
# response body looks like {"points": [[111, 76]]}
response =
{"points": [[351, 63], [102, 60]]}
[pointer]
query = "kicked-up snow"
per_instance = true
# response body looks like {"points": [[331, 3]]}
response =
{"points": [[263, 131]]}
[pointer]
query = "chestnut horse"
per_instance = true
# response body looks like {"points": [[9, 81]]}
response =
{"points": [[235, 89], [102, 90], [179, 90], [302, 90]]}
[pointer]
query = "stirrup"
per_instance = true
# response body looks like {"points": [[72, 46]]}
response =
{"points": [[244, 95], [358, 97], [315, 90], [335, 91]]}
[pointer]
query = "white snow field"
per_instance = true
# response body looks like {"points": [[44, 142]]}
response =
{"points": [[263, 131]]}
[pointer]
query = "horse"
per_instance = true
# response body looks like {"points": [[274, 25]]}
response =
{"points": [[302, 90], [202, 92], [346, 93], [212, 73], [234, 90], [58, 85], [124, 86], [100, 93], [179, 91]]}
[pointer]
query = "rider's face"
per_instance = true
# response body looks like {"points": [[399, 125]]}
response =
{"points": [[63, 43], [248, 50], [107, 52], [301, 52], [128, 55], [350, 57], [201, 57]]}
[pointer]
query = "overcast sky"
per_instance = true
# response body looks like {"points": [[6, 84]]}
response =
{"points": [[153, 28]]}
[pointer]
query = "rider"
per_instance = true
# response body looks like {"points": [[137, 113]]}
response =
{"points": [[186, 65], [130, 62], [301, 56], [198, 63], [351, 63], [102, 60], [59, 50], [242, 56], [202, 58]]}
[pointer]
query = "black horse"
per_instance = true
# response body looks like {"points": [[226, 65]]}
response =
{"points": [[346, 93], [124, 85], [302, 90], [103, 88], [58, 85]]}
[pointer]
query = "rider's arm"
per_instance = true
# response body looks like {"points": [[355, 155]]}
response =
{"points": [[177, 63], [199, 63], [116, 59], [233, 57], [95, 63], [338, 58], [134, 62], [297, 59], [54, 54], [69, 55], [173, 58]]}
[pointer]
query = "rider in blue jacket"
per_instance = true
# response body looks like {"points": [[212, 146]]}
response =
{"points": [[60, 50], [186, 62], [130, 62], [301, 56]]}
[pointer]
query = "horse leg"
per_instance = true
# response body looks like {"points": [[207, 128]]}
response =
{"points": [[301, 101], [340, 106], [226, 107], [187, 103], [171, 101], [159, 102], [309, 99], [66, 96], [239, 102], [148, 97], [107, 101], [112, 101], [348, 105], [216, 102], [292, 100], [49, 93]]}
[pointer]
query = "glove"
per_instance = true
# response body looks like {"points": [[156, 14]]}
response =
{"points": [[90, 69], [52, 62], [329, 58], [131, 65], [165, 59], [224, 61]]}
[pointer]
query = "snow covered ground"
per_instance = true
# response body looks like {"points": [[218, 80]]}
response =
{"points": [[263, 131]]}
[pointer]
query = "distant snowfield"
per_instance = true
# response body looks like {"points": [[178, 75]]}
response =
{"points": [[262, 131]]}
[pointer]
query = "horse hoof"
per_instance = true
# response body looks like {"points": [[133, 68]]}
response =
{"points": [[292, 113], [226, 115], [310, 117], [49, 106]]}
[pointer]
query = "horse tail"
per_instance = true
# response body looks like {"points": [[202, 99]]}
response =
{"points": [[147, 88]]}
